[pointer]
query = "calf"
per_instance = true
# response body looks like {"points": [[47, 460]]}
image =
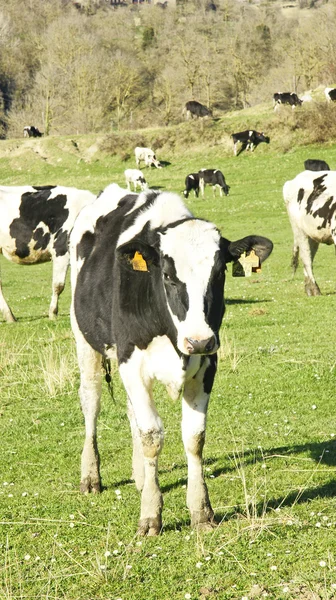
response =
{"points": [[330, 94], [286, 98], [147, 284], [196, 110], [248, 139], [136, 177], [310, 200], [147, 156], [31, 131], [191, 183], [34, 228], [215, 178], [312, 164]]}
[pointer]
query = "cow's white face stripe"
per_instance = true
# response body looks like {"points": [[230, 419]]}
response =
{"points": [[192, 246]]}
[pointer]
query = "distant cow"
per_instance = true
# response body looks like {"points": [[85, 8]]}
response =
{"points": [[310, 199], [330, 94], [312, 164], [196, 110], [147, 156], [191, 183], [249, 139], [136, 177], [148, 286], [286, 98], [215, 178], [34, 228], [31, 131]]}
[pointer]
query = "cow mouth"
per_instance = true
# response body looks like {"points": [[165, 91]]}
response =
{"points": [[196, 346]]}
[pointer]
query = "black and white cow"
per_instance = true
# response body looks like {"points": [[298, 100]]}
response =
{"points": [[330, 94], [31, 131], [196, 110], [310, 199], [313, 164], [191, 183], [136, 177], [286, 98], [35, 222], [215, 178], [248, 139], [147, 283]]}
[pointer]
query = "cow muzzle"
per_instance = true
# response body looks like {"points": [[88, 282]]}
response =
{"points": [[208, 346]]}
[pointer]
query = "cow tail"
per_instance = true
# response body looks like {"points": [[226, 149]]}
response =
{"points": [[295, 258], [106, 364]]}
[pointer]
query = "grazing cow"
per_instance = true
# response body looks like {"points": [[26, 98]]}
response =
{"points": [[330, 94], [312, 164], [147, 283], [215, 178], [191, 183], [34, 228], [147, 156], [31, 131], [136, 177], [286, 98], [196, 110], [249, 139], [311, 202]]}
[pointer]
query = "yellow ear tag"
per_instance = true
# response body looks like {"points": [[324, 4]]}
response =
{"points": [[138, 262], [246, 265]]}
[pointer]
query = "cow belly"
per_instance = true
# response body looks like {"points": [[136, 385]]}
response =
{"points": [[35, 257]]}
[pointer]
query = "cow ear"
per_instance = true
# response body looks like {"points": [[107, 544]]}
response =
{"points": [[233, 250], [137, 255]]}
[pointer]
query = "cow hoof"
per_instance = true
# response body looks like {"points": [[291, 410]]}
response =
{"points": [[203, 521], [87, 486], [150, 527]]}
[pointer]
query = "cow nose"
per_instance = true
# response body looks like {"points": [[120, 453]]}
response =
{"points": [[200, 346]]}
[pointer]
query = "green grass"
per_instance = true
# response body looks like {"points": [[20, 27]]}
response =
{"points": [[270, 452]]}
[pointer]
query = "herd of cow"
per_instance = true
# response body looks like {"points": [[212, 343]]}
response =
{"points": [[147, 283]]}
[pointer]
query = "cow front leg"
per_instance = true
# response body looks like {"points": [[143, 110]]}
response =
{"points": [[138, 465], [147, 430], [194, 410], [60, 267]]}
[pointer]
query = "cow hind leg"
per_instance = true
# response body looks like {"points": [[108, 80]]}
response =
{"points": [[308, 249], [89, 393], [60, 267], [194, 409], [4, 308]]}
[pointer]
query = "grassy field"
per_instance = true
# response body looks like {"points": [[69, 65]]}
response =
{"points": [[270, 452]]}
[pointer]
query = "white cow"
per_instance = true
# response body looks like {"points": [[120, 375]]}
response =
{"points": [[311, 202], [136, 177], [147, 156]]}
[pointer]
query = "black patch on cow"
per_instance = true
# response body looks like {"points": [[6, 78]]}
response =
{"points": [[319, 188], [325, 212], [44, 187], [176, 290], [301, 193], [61, 243], [37, 207], [42, 239], [210, 373], [84, 248], [115, 304], [213, 301]]}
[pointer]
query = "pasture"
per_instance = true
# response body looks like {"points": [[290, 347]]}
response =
{"points": [[270, 452]]}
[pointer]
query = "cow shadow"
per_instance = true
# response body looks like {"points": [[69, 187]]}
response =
{"points": [[165, 163]]}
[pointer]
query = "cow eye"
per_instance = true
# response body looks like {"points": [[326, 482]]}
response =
{"points": [[167, 279]]}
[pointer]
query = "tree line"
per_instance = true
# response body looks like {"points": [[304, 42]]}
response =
{"points": [[85, 67]]}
